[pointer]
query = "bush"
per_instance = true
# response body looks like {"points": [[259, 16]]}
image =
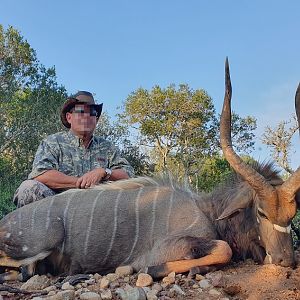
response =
{"points": [[6, 204], [9, 182]]}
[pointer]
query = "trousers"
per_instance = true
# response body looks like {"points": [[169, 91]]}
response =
{"points": [[31, 191]]}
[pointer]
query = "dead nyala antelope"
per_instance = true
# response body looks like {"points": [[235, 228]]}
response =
{"points": [[156, 225]]}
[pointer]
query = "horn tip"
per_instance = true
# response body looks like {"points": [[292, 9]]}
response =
{"points": [[226, 63]]}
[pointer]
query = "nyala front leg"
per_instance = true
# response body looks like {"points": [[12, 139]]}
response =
{"points": [[190, 253]]}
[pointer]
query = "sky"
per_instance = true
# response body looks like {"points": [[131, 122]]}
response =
{"points": [[111, 48]]}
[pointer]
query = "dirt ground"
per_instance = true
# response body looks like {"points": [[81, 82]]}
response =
{"points": [[247, 280], [255, 282]]}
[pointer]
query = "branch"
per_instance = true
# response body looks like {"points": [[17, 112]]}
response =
{"points": [[10, 289]]}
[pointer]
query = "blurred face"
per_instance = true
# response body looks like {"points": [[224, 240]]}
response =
{"points": [[83, 119]]}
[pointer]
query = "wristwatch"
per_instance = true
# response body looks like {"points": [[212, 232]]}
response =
{"points": [[107, 174]]}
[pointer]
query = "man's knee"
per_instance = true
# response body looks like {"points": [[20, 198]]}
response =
{"points": [[30, 191]]}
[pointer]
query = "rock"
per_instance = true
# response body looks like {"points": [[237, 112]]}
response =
{"points": [[104, 283], [177, 289], [151, 295], [114, 284], [216, 278], [167, 281], [36, 283], [67, 286], [136, 294], [199, 277], [232, 290], [51, 293], [163, 293], [132, 294], [121, 293], [112, 277], [146, 289], [82, 291], [204, 284], [214, 292], [67, 295], [90, 296], [144, 280], [50, 288], [106, 295], [127, 287], [218, 281], [172, 275], [195, 286], [78, 293], [157, 287], [90, 281], [124, 271], [97, 276], [63, 295], [170, 279], [171, 294]]}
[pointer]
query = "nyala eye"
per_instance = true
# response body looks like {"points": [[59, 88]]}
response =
{"points": [[261, 214]]}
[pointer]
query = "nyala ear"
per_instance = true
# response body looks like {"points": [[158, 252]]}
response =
{"points": [[227, 213], [239, 202]]}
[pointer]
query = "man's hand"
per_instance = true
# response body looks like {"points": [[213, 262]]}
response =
{"points": [[90, 178]]}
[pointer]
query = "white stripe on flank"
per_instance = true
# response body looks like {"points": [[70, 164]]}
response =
{"points": [[70, 223], [151, 180], [72, 217], [154, 214], [90, 225], [64, 220], [137, 224], [48, 214], [170, 211], [282, 229], [33, 215], [196, 221], [20, 218], [66, 211], [115, 227]]}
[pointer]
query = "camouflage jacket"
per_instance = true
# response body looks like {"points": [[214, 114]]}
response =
{"points": [[66, 153]]}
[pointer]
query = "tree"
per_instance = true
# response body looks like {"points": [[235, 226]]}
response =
{"points": [[17, 61], [17, 64], [32, 115], [118, 134], [170, 120], [181, 127], [30, 101], [279, 140], [213, 171]]}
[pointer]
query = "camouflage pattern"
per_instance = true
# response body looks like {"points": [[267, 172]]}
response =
{"points": [[66, 153], [30, 191]]}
